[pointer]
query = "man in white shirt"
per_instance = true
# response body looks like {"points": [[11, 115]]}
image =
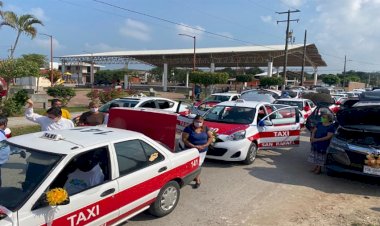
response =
{"points": [[52, 121]]}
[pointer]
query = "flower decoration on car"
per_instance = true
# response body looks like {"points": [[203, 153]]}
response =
{"points": [[373, 161], [56, 196], [214, 134]]}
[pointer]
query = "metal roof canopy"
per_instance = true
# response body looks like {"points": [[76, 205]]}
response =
{"points": [[242, 56]]}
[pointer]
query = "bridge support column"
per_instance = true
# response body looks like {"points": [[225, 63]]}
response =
{"points": [[165, 78], [187, 78], [315, 75], [212, 67], [270, 68]]}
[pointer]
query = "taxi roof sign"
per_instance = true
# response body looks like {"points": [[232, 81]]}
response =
{"points": [[52, 136], [240, 101]]}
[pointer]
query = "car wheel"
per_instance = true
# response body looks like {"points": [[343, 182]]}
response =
{"points": [[251, 154], [166, 200], [331, 172]]}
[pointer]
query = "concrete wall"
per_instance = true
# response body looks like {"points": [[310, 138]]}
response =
{"points": [[355, 85]]}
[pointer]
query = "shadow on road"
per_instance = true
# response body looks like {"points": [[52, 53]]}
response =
{"points": [[291, 167]]}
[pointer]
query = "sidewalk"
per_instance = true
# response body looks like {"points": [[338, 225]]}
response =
{"points": [[15, 122]]}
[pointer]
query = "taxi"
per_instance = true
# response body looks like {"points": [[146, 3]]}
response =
{"points": [[89, 176], [241, 128]]}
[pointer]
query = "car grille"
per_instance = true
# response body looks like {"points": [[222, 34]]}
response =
{"points": [[216, 151]]}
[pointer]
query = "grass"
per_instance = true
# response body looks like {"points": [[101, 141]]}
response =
{"points": [[25, 129]]}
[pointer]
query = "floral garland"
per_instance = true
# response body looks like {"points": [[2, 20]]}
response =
{"points": [[56, 196], [373, 161]]}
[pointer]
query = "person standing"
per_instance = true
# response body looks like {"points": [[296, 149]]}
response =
{"points": [[93, 117], [58, 103], [320, 141], [198, 136], [52, 121], [4, 152]]}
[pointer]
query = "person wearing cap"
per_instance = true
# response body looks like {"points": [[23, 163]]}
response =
{"points": [[92, 117], [52, 121], [58, 103]]}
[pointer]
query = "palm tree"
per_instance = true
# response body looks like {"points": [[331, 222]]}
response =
{"points": [[22, 24]]}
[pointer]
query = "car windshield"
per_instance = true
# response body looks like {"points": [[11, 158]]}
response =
{"points": [[230, 114], [22, 170], [290, 103], [119, 103], [219, 98]]}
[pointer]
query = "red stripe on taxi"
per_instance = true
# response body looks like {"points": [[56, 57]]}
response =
{"points": [[127, 196]]}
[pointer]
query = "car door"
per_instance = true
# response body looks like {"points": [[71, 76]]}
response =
{"points": [[92, 205], [142, 171], [279, 128]]}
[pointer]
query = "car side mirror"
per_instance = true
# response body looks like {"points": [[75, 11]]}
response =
{"points": [[265, 123]]}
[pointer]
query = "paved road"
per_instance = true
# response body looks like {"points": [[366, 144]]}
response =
{"points": [[277, 189]]}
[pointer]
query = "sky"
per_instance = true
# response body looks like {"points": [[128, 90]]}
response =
{"points": [[339, 28]]}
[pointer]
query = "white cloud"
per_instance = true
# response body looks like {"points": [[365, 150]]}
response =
{"points": [[45, 43], [39, 13], [187, 29], [135, 29], [266, 19], [293, 3], [348, 27], [100, 47]]}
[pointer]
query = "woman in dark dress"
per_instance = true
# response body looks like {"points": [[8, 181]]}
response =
{"points": [[198, 136], [320, 140]]}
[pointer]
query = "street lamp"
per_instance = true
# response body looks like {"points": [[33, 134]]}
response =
{"points": [[51, 57], [194, 56]]}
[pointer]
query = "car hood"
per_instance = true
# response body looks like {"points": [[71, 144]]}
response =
{"points": [[225, 128], [363, 117]]}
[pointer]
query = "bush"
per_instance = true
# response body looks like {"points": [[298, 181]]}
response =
{"points": [[61, 92], [107, 95], [271, 81], [13, 106]]}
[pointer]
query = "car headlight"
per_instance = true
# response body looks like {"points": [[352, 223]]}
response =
{"points": [[237, 135]]}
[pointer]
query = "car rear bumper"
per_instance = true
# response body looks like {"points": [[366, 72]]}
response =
{"points": [[190, 177]]}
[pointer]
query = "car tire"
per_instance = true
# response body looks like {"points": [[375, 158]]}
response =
{"points": [[251, 154], [331, 173], [166, 200]]}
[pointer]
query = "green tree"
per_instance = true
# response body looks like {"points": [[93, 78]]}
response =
{"points": [[330, 79], [23, 24], [61, 92], [156, 73], [17, 68], [253, 71], [208, 78], [271, 81], [244, 78], [38, 58]]}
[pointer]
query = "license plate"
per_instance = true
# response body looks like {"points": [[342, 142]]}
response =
{"points": [[371, 170]]}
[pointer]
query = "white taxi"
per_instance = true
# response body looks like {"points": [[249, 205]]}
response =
{"points": [[244, 127], [89, 176]]}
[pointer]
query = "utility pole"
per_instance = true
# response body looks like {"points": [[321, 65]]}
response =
{"points": [[303, 59], [287, 39], [344, 68]]}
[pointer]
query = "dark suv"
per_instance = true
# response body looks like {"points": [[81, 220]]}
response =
{"points": [[355, 147]]}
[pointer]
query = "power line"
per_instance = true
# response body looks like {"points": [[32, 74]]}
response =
{"points": [[172, 22]]}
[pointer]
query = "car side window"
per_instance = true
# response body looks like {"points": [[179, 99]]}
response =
{"points": [[164, 104], [130, 156], [152, 154], [261, 114], [235, 98], [311, 104], [84, 171], [149, 104]]}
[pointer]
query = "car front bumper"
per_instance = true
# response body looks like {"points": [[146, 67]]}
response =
{"points": [[229, 150]]}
